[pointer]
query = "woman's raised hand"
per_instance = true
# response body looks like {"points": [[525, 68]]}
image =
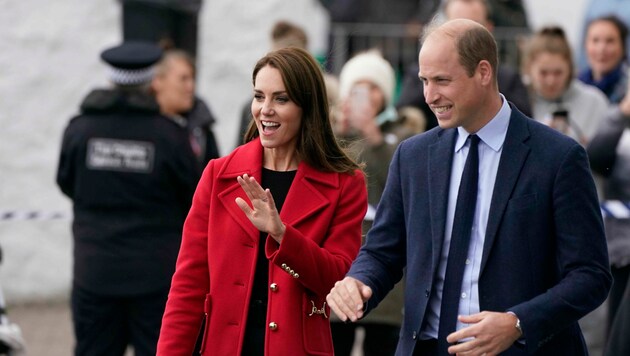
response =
{"points": [[262, 212]]}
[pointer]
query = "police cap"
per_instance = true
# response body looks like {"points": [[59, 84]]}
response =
{"points": [[131, 63]]}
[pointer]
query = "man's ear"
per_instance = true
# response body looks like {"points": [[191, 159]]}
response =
{"points": [[485, 72]]}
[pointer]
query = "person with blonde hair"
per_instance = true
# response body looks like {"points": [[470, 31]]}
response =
{"points": [[558, 98]]}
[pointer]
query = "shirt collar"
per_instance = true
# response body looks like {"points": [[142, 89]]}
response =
{"points": [[493, 133]]}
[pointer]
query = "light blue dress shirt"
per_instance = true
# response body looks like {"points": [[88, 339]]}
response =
{"points": [[492, 136]]}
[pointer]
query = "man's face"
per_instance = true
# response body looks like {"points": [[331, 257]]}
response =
{"points": [[448, 90]]}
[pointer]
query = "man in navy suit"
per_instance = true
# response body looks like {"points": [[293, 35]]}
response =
{"points": [[536, 259]]}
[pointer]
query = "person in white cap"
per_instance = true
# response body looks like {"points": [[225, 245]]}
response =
{"points": [[372, 128]]}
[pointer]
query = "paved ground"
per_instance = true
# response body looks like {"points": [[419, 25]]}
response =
{"points": [[47, 329]]}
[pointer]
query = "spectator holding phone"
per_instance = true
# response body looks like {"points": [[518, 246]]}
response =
{"points": [[549, 71]]}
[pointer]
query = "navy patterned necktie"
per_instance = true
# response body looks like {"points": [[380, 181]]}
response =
{"points": [[460, 241]]}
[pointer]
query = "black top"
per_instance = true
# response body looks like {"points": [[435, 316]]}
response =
{"points": [[279, 184]]}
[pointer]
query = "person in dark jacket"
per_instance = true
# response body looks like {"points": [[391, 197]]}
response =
{"points": [[618, 340], [609, 155], [130, 173], [174, 90]]}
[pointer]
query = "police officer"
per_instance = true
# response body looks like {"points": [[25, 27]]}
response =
{"points": [[130, 173]]}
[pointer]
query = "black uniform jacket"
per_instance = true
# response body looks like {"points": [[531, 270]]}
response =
{"points": [[130, 173]]}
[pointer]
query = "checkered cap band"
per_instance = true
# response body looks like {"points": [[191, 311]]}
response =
{"points": [[130, 76]]}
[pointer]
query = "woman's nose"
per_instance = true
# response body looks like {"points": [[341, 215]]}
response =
{"points": [[266, 109]]}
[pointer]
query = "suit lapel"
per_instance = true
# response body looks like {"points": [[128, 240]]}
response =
{"points": [[439, 171], [513, 156]]}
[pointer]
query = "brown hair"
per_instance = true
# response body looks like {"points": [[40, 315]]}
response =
{"points": [[303, 79], [549, 40], [286, 34], [473, 45]]}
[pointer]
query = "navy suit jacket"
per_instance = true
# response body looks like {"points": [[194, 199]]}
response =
{"points": [[544, 255]]}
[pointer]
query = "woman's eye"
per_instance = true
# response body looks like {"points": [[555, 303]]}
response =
{"points": [[259, 97], [282, 99]]}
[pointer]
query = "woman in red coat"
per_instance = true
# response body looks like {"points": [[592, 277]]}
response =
{"points": [[273, 225]]}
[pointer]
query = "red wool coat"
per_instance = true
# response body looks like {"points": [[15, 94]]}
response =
{"points": [[215, 268]]}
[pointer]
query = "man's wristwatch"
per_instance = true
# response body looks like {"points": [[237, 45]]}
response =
{"points": [[518, 323]]}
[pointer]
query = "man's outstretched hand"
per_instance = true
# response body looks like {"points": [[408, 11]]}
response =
{"points": [[347, 297]]}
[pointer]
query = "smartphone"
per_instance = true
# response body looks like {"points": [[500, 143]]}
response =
{"points": [[359, 102], [560, 121]]}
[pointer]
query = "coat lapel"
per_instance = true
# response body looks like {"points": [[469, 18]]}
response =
{"points": [[247, 160], [439, 171], [303, 200], [514, 154], [305, 197]]}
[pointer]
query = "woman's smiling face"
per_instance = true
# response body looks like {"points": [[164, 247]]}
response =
{"points": [[604, 47], [277, 117]]}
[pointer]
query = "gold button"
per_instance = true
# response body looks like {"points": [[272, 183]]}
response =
{"points": [[273, 287], [284, 266], [273, 326], [296, 276]]}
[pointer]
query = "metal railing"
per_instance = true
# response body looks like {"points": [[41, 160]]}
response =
{"points": [[400, 47]]}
